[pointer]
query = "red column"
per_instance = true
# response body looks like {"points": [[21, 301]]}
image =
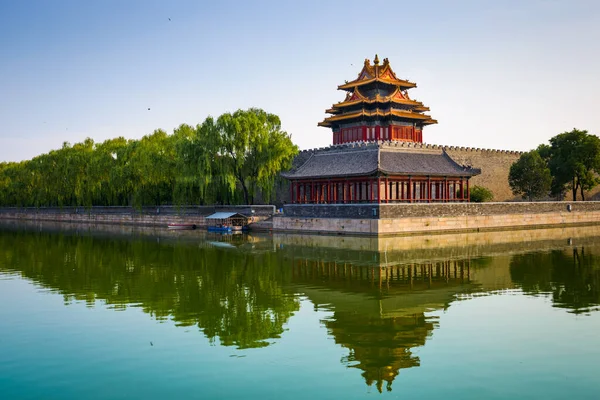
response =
{"points": [[462, 191], [334, 192], [319, 192], [345, 191], [428, 190], [303, 199], [468, 191], [349, 192], [386, 200], [409, 190], [444, 189]]}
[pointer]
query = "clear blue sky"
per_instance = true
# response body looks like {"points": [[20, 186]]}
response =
{"points": [[496, 74]]}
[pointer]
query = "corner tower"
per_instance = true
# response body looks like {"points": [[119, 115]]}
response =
{"points": [[377, 107]]}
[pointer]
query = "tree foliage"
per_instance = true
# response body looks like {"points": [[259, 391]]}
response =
{"points": [[530, 176], [480, 194], [574, 161], [230, 160]]}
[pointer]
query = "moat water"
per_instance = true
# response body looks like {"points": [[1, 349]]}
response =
{"points": [[122, 313]]}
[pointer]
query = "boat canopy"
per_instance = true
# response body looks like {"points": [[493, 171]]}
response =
{"points": [[225, 215]]}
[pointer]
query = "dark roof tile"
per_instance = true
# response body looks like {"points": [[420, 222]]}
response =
{"points": [[367, 160]]}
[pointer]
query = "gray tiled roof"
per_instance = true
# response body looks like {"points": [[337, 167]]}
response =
{"points": [[368, 160]]}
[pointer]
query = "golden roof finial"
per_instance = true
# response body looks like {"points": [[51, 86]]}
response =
{"points": [[376, 60]]}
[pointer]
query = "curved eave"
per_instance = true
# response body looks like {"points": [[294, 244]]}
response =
{"points": [[458, 174], [327, 176], [377, 113], [362, 82], [383, 100]]}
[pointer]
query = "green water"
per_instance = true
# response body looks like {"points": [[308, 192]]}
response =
{"points": [[110, 313]]}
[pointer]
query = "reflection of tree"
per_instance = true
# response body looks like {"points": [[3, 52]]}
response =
{"points": [[380, 347], [572, 277], [231, 296]]}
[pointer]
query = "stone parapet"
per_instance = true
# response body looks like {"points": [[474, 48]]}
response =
{"points": [[394, 219], [147, 216]]}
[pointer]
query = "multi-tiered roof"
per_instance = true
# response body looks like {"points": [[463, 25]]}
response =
{"points": [[378, 99], [377, 154]]}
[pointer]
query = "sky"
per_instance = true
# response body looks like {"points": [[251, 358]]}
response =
{"points": [[495, 74]]}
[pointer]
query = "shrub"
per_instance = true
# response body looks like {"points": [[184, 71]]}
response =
{"points": [[480, 194]]}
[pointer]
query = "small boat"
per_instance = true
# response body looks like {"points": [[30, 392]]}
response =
{"points": [[181, 226], [226, 222], [219, 228]]}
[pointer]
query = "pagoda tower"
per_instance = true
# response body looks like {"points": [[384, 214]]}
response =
{"points": [[377, 107]]}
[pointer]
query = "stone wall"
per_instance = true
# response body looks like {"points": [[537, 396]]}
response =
{"points": [[332, 210], [494, 165], [404, 210], [396, 219], [147, 216], [524, 209]]}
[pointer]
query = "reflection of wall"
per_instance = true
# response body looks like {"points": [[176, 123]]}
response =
{"points": [[422, 248]]}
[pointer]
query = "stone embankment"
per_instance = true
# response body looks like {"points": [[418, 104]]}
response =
{"points": [[402, 219], [146, 216]]}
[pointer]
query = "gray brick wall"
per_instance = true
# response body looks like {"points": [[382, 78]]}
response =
{"points": [[365, 211]]}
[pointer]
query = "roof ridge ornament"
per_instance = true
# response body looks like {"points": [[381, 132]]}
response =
{"points": [[376, 60]]}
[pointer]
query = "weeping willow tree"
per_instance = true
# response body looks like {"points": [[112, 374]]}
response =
{"points": [[227, 160], [253, 150], [234, 157]]}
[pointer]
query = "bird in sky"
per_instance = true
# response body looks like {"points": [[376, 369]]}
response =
{"points": [[148, 108]]}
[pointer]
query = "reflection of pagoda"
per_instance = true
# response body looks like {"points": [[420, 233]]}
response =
{"points": [[377, 107], [379, 313], [380, 347]]}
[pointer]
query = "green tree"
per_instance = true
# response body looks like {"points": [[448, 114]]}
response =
{"points": [[253, 150], [227, 161], [480, 194], [574, 161], [530, 176]]}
